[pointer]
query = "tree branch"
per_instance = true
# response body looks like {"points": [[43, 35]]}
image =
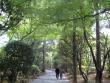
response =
{"points": [[78, 18], [90, 47], [105, 56], [86, 39]]}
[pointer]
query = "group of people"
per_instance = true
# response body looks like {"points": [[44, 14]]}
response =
{"points": [[59, 73]]}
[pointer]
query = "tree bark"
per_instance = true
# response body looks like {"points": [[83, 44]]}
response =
{"points": [[81, 71], [74, 56], [98, 50], [43, 65], [99, 76], [12, 77], [98, 53]]}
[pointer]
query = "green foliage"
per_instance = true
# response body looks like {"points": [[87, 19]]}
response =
{"points": [[11, 13], [19, 53], [16, 57], [35, 70]]}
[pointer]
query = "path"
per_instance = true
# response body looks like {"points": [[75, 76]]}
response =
{"points": [[49, 77]]}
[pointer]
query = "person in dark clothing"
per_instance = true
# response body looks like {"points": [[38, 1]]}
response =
{"points": [[57, 71], [61, 73]]}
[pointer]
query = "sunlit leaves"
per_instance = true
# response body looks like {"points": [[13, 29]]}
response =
{"points": [[12, 11]]}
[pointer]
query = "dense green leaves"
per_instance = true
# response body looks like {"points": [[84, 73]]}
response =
{"points": [[19, 53]]}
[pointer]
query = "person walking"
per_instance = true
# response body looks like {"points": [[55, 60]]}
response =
{"points": [[57, 71], [61, 73]]}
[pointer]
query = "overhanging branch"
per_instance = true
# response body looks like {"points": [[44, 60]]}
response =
{"points": [[79, 18]]}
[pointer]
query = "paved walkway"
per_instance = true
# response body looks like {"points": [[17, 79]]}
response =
{"points": [[49, 77]]}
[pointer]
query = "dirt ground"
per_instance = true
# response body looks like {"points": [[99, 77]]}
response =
{"points": [[91, 78]]}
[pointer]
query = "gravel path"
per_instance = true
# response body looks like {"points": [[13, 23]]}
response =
{"points": [[49, 77]]}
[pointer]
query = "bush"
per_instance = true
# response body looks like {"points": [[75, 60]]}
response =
{"points": [[18, 58], [35, 70]]}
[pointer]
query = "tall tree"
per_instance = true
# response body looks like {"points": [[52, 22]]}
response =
{"points": [[74, 54], [98, 49]]}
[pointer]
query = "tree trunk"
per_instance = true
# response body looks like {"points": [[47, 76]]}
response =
{"points": [[66, 65], [98, 76], [98, 53], [81, 71], [12, 77], [98, 50], [74, 57], [43, 65], [108, 63]]}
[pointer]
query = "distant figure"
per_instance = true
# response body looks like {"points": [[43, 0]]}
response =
{"points": [[61, 73], [57, 71]]}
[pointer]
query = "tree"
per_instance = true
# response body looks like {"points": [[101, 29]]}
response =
{"points": [[19, 57], [74, 54], [11, 13]]}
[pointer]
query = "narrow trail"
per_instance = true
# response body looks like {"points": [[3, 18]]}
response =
{"points": [[49, 77]]}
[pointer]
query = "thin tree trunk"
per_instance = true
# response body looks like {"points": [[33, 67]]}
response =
{"points": [[98, 50], [74, 57], [43, 69], [66, 64], [98, 53], [109, 63], [81, 71]]}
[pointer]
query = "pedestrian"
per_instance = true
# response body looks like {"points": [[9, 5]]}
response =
{"points": [[61, 73], [57, 71]]}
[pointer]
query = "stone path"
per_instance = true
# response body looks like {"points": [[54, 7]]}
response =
{"points": [[49, 77]]}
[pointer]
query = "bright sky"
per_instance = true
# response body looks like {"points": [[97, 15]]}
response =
{"points": [[3, 40], [105, 27], [106, 31]]}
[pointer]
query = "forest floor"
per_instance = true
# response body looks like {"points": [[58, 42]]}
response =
{"points": [[91, 78]]}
